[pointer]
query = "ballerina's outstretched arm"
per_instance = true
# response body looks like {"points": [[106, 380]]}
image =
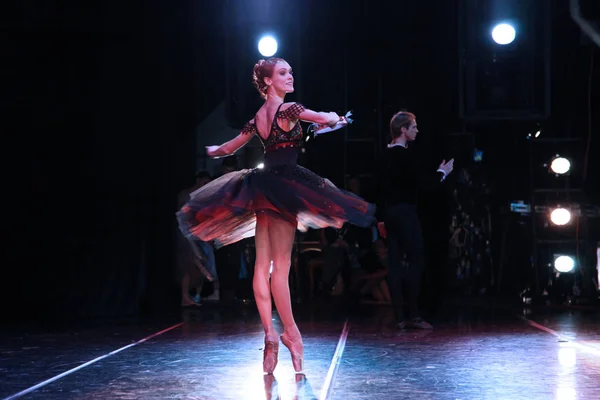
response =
{"points": [[230, 147], [322, 122], [320, 118]]}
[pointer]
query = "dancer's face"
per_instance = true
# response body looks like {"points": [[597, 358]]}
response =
{"points": [[411, 132], [282, 79]]}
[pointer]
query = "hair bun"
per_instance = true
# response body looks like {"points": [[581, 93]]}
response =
{"points": [[263, 69]]}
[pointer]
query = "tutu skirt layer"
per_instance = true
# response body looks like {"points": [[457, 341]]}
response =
{"points": [[224, 210]]}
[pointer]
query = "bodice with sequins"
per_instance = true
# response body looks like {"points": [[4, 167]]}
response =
{"points": [[281, 147], [278, 138]]}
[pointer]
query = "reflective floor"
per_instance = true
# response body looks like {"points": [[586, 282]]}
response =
{"points": [[217, 353]]}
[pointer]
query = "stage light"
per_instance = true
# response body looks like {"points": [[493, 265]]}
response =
{"points": [[560, 165], [503, 34], [564, 263], [560, 216], [267, 46], [260, 166], [535, 135]]}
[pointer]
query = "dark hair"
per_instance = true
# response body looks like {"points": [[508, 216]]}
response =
{"points": [[401, 119], [264, 69]]}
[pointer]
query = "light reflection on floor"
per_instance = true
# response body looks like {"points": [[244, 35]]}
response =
{"points": [[214, 355]]}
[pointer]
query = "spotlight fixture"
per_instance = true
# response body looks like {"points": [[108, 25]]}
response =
{"points": [[564, 263], [560, 165], [560, 216], [267, 46], [535, 135], [503, 34]]}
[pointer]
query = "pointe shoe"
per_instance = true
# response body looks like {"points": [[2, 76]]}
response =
{"points": [[270, 356], [296, 348]]}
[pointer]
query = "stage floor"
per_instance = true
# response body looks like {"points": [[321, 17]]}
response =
{"points": [[215, 352]]}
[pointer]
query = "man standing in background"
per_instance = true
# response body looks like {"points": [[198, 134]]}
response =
{"points": [[401, 178]]}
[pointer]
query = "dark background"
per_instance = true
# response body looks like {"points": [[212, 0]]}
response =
{"points": [[102, 99]]}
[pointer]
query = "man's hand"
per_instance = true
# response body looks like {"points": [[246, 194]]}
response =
{"points": [[446, 167]]}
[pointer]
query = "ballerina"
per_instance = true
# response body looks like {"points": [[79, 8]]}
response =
{"points": [[272, 202]]}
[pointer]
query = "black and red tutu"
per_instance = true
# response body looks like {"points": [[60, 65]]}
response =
{"points": [[225, 209]]}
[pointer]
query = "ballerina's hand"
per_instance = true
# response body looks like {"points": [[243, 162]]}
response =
{"points": [[344, 120], [335, 118], [211, 151], [340, 122]]}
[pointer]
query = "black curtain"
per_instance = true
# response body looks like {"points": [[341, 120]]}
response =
{"points": [[100, 107]]}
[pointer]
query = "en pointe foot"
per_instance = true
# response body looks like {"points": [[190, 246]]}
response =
{"points": [[270, 354], [296, 348]]}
